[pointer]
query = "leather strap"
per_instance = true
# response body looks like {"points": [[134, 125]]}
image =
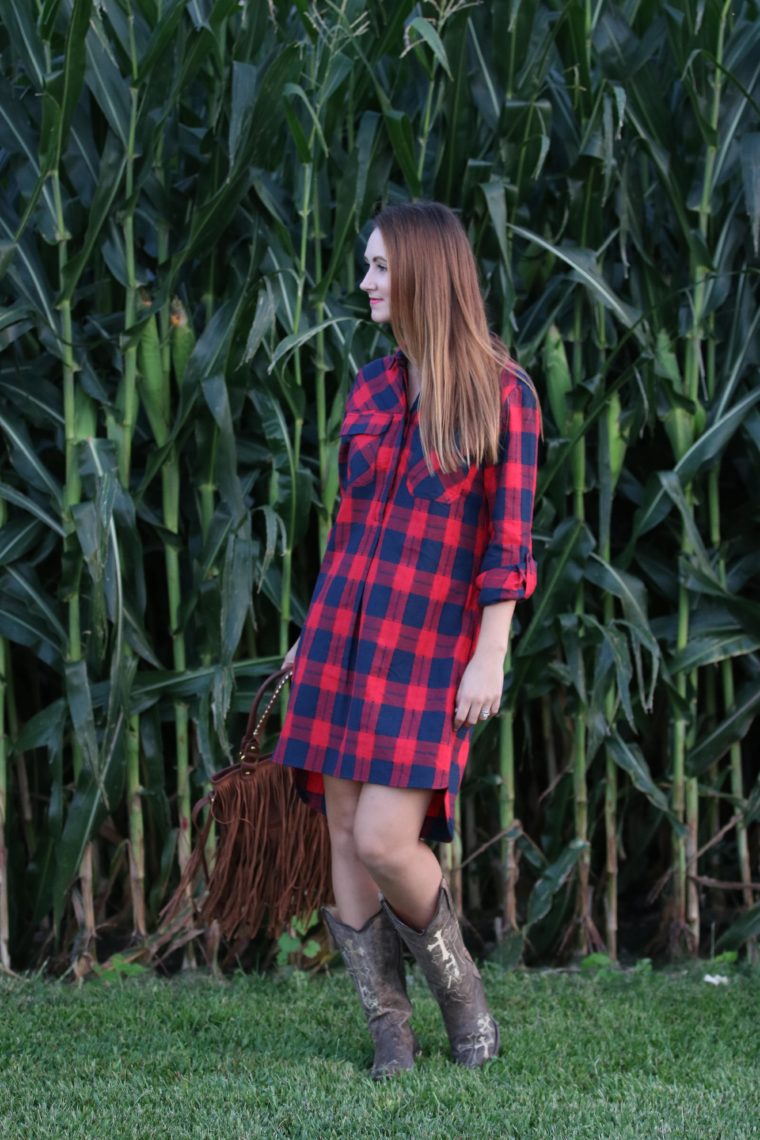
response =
{"points": [[251, 742]]}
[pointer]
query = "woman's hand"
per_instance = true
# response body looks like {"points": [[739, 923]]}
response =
{"points": [[290, 656], [479, 694], [480, 689]]}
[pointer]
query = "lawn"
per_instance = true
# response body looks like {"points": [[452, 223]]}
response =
{"points": [[641, 1055]]}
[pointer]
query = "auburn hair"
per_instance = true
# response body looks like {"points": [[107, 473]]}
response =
{"points": [[439, 320]]}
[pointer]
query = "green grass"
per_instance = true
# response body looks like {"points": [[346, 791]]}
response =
{"points": [[614, 1056]]}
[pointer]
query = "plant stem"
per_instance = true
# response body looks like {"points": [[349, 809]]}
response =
{"points": [[320, 370], [713, 485], [450, 858], [611, 452], [679, 752], [713, 776], [729, 696], [287, 556], [512, 56], [692, 846], [170, 493], [610, 782], [175, 324], [426, 125], [170, 488], [22, 778], [78, 420], [470, 842], [128, 394], [129, 409], [507, 815], [580, 790], [737, 792], [610, 830], [5, 957], [687, 899]]}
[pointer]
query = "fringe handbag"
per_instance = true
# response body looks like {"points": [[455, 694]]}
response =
{"points": [[272, 858]]}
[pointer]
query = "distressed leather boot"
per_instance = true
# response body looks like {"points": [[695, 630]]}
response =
{"points": [[373, 957], [454, 980]]}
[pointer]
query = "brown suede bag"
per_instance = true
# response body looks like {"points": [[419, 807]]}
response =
{"points": [[272, 857]]}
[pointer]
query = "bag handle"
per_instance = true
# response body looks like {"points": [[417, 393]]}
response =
{"points": [[257, 724]]}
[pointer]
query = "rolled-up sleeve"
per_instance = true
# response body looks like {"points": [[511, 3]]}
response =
{"points": [[508, 570]]}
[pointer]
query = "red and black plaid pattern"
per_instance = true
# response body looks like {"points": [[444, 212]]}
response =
{"points": [[411, 559]]}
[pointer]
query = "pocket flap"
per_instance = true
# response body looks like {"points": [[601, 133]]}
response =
{"points": [[367, 423]]}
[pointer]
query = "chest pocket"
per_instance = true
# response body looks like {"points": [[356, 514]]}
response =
{"points": [[361, 455], [438, 485]]}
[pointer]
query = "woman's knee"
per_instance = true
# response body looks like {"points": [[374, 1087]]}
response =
{"points": [[342, 843], [341, 814], [379, 850]]}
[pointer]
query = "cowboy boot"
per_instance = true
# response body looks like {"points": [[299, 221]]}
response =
{"points": [[455, 982], [373, 958]]}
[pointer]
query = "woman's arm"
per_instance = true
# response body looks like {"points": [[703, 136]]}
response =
{"points": [[507, 571], [495, 624], [483, 679]]}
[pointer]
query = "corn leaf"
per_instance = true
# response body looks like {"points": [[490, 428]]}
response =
{"points": [[552, 881], [428, 33], [733, 728], [740, 931]]}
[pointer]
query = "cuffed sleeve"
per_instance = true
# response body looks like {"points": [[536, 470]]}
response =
{"points": [[508, 570]]}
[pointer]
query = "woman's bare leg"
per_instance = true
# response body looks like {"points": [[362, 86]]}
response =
{"points": [[374, 835], [387, 825], [356, 892]]}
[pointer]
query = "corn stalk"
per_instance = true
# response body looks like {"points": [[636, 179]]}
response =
{"points": [[507, 817], [5, 957], [79, 420], [713, 477], [129, 404]]}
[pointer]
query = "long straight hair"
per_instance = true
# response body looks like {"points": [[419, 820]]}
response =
{"points": [[439, 320]]}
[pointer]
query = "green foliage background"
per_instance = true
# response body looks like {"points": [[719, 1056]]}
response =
{"points": [[186, 188]]}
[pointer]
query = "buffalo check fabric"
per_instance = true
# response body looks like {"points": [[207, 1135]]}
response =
{"points": [[411, 559]]}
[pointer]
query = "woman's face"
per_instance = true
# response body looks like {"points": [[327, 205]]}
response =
{"points": [[377, 280]]}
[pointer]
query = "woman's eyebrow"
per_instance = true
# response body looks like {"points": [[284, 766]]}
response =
{"points": [[377, 257]]}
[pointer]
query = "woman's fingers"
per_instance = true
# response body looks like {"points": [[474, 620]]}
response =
{"points": [[290, 656], [461, 714], [473, 710], [479, 691]]}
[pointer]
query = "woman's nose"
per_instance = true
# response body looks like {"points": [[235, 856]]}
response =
{"points": [[366, 282]]}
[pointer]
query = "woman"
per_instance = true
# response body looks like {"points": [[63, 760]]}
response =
{"points": [[403, 647]]}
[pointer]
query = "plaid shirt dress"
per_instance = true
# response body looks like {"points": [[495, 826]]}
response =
{"points": [[411, 559]]}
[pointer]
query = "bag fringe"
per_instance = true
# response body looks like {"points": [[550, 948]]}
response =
{"points": [[272, 860]]}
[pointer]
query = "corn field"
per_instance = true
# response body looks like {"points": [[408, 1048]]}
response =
{"points": [[187, 187]]}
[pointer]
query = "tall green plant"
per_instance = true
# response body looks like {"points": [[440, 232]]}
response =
{"points": [[5, 958]]}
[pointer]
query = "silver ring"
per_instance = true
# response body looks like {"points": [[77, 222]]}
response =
{"points": [[484, 716]]}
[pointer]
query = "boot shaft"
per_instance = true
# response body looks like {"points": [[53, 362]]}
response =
{"points": [[374, 960], [454, 981]]}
